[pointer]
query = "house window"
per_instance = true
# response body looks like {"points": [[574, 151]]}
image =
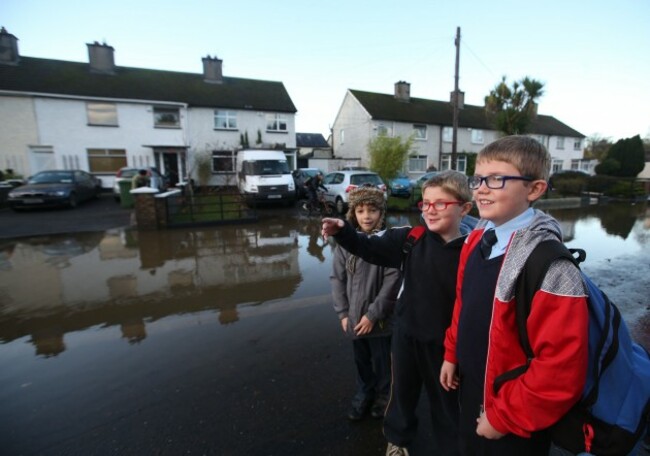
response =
{"points": [[417, 163], [447, 134], [477, 136], [276, 122], [420, 132], [541, 139], [223, 161], [342, 136], [166, 117], [383, 130], [577, 144], [106, 161], [225, 120], [560, 143], [556, 166], [104, 114], [461, 163], [575, 164]]}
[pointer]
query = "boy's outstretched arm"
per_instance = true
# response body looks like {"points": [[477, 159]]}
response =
{"points": [[331, 226], [448, 376]]}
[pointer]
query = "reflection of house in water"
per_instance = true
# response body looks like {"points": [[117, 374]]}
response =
{"points": [[128, 280]]}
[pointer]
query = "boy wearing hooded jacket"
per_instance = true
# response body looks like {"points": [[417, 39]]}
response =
{"points": [[364, 297], [482, 341]]}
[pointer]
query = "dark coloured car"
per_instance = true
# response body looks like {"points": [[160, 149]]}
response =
{"points": [[55, 188]]}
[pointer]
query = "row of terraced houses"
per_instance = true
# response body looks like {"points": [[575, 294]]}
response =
{"points": [[98, 116]]}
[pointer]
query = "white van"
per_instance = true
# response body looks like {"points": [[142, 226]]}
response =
{"points": [[264, 176]]}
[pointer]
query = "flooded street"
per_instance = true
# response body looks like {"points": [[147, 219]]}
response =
{"points": [[217, 340]]}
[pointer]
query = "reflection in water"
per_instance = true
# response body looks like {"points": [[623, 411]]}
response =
{"points": [[51, 286]]}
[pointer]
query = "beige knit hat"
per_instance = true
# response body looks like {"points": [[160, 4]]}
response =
{"points": [[366, 195]]}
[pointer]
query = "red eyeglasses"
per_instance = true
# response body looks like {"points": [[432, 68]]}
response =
{"points": [[437, 205]]}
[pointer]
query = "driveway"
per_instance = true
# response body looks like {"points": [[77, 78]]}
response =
{"points": [[99, 214]]}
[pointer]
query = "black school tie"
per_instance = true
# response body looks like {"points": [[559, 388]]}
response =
{"points": [[487, 241]]}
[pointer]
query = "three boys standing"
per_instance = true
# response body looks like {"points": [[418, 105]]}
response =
{"points": [[481, 339]]}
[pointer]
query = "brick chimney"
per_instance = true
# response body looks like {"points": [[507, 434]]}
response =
{"points": [[8, 48], [212, 71], [403, 91], [100, 57]]}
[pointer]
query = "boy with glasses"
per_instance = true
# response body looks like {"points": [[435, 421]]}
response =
{"points": [[423, 309], [483, 342]]}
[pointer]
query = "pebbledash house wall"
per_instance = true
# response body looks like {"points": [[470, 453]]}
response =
{"points": [[64, 124], [352, 143], [205, 138], [18, 131]]}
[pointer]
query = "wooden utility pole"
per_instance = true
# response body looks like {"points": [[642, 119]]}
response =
{"points": [[455, 100]]}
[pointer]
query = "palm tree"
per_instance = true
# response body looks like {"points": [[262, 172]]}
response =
{"points": [[512, 109]]}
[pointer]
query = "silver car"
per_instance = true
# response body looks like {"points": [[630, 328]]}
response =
{"points": [[340, 183]]}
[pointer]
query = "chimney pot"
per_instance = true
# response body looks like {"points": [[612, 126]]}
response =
{"points": [[101, 58], [403, 91], [8, 48], [212, 70]]}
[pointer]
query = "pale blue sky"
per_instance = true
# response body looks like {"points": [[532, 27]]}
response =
{"points": [[593, 56]]}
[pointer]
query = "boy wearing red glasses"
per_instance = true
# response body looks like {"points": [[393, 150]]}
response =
{"points": [[423, 310], [482, 342]]}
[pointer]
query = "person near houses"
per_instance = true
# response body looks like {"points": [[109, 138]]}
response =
{"points": [[364, 298], [423, 310], [482, 341], [314, 183], [140, 179]]}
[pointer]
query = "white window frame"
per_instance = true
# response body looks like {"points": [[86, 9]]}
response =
{"points": [[556, 165], [384, 129], [559, 143], [105, 161], [447, 134], [577, 144], [277, 122], [227, 160], [342, 136], [477, 136], [461, 162], [101, 114], [419, 132], [417, 163], [160, 111], [225, 120]]}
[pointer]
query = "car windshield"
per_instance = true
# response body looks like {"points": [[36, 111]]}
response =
{"points": [[52, 177], [360, 179], [265, 167]]}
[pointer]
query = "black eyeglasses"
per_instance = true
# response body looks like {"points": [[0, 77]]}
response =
{"points": [[437, 205], [494, 182]]}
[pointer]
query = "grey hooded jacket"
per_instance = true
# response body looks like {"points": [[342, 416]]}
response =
{"points": [[360, 288]]}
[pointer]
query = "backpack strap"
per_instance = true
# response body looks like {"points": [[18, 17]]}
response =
{"points": [[529, 281], [411, 239]]}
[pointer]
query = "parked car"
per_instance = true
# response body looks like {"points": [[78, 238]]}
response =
{"points": [[300, 176], [55, 188], [400, 186], [340, 183], [417, 183], [156, 180]]}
